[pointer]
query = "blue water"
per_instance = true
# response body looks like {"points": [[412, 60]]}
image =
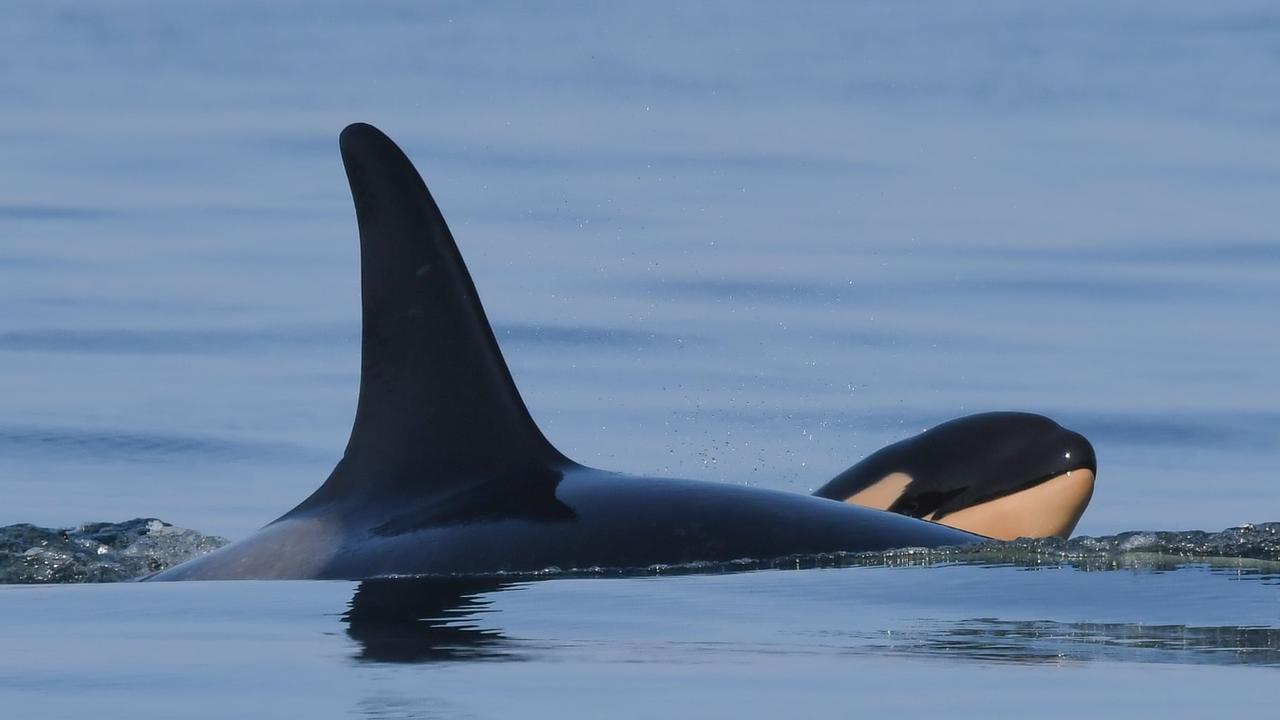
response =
{"points": [[766, 644], [739, 243]]}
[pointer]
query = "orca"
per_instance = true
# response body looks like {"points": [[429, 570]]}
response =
{"points": [[1005, 475], [446, 473]]}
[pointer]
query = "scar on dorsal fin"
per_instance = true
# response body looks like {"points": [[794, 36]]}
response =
{"points": [[437, 410]]}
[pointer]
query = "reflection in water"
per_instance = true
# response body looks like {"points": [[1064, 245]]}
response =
{"points": [[433, 620], [408, 620], [1040, 641]]}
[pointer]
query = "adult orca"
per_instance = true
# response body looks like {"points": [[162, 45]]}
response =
{"points": [[445, 471]]}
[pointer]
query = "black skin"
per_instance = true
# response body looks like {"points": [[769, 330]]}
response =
{"points": [[446, 473], [968, 461]]}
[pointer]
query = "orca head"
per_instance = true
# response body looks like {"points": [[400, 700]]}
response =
{"points": [[1004, 475]]}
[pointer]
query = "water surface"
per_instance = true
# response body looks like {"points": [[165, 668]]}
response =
{"points": [[1050, 643]]}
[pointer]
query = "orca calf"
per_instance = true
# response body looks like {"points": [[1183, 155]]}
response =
{"points": [[1005, 475], [445, 472]]}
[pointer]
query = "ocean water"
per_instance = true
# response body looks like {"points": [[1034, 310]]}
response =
{"points": [[773, 643], [741, 243]]}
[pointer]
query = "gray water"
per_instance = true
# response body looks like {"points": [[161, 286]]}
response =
{"points": [[738, 243]]}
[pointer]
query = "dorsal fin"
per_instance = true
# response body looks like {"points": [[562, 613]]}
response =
{"points": [[437, 405]]}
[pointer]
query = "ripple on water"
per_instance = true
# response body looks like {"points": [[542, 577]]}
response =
{"points": [[96, 552]]}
